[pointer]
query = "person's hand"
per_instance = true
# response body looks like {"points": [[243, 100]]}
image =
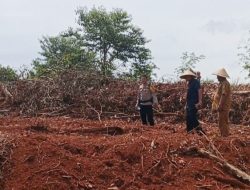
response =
{"points": [[137, 107]]}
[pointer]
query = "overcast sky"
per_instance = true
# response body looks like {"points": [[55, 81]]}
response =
{"points": [[214, 28]]}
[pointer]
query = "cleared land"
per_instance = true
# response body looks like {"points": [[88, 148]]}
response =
{"points": [[66, 153], [84, 134]]}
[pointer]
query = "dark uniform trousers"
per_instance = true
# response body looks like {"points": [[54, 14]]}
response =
{"points": [[192, 119], [146, 113]]}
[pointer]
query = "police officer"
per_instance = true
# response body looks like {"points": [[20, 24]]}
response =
{"points": [[146, 100]]}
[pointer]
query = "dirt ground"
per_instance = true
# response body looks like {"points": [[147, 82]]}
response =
{"points": [[66, 153]]}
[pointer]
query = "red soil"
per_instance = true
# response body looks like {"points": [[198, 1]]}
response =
{"points": [[65, 153]]}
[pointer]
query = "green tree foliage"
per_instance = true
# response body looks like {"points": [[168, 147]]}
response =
{"points": [[188, 61], [115, 41], [244, 56], [7, 74], [61, 53], [106, 42]]}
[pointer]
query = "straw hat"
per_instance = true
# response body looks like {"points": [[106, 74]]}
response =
{"points": [[222, 73], [187, 73]]}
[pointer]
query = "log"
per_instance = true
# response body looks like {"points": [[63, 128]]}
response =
{"points": [[235, 172], [125, 116], [167, 114], [100, 130], [4, 111], [138, 116], [243, 93]]}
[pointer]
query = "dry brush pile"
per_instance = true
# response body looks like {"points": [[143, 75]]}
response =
{"points": [[93, 97], [6, 145]]}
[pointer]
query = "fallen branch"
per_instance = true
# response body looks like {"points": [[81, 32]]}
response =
{"points": [[212, 146], [125, 116], [167, 114], [232, 182], [137, 116], [241, 93], [4, 111], [99, 113], [154, 166], [237, 173]]}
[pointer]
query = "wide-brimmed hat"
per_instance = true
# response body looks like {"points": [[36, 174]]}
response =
{"points": [[187, 73], [222, 73]]}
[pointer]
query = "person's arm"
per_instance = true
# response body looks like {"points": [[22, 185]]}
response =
{"points": [[199, 95], [155, 100], [153, 92], [156, 103], [137, 100]]}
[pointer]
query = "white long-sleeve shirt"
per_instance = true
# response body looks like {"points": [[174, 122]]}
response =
{"points": [[146, 94]]}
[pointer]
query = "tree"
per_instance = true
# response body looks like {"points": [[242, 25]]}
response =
{"points": [[244, 56], [104, 42], [7, 74], [61, 53], [188, 61], [114, 40]]}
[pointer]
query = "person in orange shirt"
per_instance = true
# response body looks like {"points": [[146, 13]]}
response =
{"points": [[222, 101]]}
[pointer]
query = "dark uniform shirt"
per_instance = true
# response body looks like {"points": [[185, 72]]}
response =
{"points": [[193, 93]]}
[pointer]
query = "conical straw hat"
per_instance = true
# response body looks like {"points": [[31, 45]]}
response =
{"points": [[222, 73], [187, 73]]}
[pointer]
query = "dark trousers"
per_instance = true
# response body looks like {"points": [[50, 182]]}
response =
{"points": [[192, 119], [146, 113]]}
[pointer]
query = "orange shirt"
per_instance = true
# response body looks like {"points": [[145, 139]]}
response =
{"points": [[223, 89]]}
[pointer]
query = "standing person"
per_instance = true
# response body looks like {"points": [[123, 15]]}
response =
{"points": [[146, 100], [222, 101], [5, 95], [193, 102]]}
